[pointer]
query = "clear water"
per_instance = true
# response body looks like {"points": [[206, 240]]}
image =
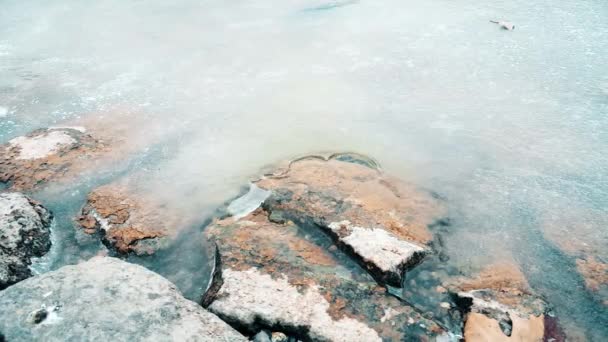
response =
{"points": [[510, 127]]}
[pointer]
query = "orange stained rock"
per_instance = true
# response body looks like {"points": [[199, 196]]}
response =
{"points": [[480, 328], [124, 237], [375, 199], [594, 271]]}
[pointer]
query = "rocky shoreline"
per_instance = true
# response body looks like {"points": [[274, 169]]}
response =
{"points": [[313, 252]]}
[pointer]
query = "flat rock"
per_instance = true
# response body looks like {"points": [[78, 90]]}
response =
{"points": [[45, 155], [283, 277], [501, 307], [383, 222], [24, 235], [105, 299]]}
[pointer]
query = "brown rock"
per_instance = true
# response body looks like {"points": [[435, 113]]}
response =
{"points": [[44, 155], [282, 277], [380, 220], [501, 307], [125, 219]]}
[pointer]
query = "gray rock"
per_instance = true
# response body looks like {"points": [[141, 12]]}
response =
{"points": [[262, 336], [105, 299], [24, 234]]}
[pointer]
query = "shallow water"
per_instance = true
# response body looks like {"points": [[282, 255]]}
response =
{"points": [[510, 127]]}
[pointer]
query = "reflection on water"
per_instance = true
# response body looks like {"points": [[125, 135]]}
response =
{"points": [[509, 127]]}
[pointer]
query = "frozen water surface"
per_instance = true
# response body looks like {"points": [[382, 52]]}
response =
{"points": [[511, 127]]}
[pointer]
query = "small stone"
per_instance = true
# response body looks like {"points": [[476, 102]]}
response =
{"points": [[445, 305], [279, 337], [262, 336]]}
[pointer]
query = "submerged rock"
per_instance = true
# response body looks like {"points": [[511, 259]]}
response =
{"points": [[24, 234], [280, 277], [381, 221], [127, 222], [595, 273], [105, 299], [45, 155], [501, 307]]}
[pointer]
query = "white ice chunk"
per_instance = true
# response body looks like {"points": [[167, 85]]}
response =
{"points": [[249, 202]]}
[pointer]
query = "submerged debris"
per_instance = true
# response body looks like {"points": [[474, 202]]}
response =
{"points": [[506, 25]]}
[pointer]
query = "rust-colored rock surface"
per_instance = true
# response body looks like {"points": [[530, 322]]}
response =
{"points": [[44, 155], [63, 153], [383, 222], [127, 222], [283, 276], [501, 307]]}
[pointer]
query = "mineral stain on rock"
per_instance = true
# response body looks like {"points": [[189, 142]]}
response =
{"points": [[126, 222], [46, 155], [277, 267], [273, 277], [500, 306], [382, 221]]}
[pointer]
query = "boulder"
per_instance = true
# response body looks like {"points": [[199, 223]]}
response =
{"points": [[24, 235], [381, 221], [105, 299], [286, 277]]}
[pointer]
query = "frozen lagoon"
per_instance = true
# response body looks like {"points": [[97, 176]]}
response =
{"points": [[511, 127]]}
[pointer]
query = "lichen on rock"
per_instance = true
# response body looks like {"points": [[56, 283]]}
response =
{"points": [[24, 235]]}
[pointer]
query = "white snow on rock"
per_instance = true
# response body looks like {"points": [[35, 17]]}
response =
{"points": [[378, 246], [247, 296], [42, 145]]}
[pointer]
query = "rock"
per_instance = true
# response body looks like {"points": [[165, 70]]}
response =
{"points": [[45, 155], [279, 337], [575, 231], [595, 273], [105, 299], [282, 277], [24, 234], [262, 336], [501, 307], [380, 220], [126, 221]]}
